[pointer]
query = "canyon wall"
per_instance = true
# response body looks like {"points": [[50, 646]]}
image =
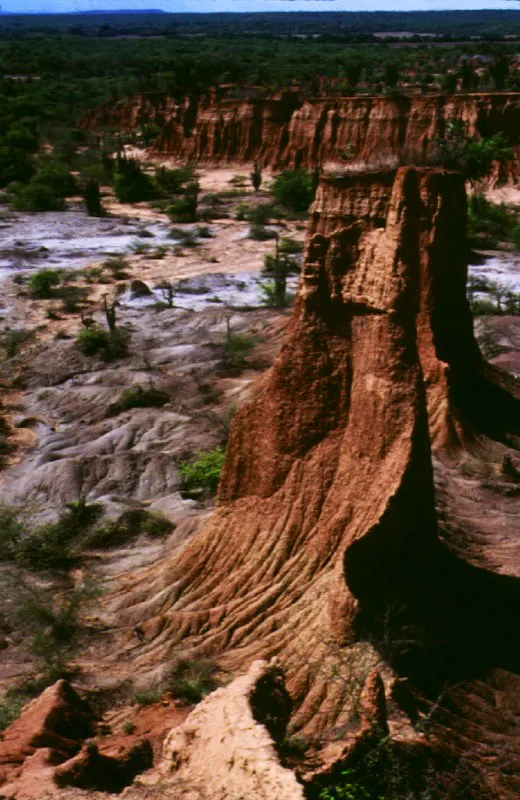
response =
{"points": [[290, 131], [325, 549]]}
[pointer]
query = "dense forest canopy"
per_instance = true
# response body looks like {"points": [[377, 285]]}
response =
{"points": [[451, 24]]}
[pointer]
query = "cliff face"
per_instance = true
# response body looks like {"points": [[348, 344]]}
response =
{"points": [[288, 131], [325, 548]]}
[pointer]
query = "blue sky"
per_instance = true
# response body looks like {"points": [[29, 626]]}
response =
{"points": [[30, 6]]}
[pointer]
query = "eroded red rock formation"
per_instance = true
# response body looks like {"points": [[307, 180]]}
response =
{"points": [[288, 130], [324, 549]]}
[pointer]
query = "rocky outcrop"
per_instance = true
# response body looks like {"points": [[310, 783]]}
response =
{"points": [[326, 548], [225, 749], [288, 130], [48, 747], [57, 720]]}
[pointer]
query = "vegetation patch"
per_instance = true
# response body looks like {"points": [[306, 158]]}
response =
{"points": [[294, 189], [48, 546], [202, 471], [138, 397], [191, 680], [109, 345], [127, 527]]}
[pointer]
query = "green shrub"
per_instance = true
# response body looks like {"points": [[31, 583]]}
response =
{"points": [[15, 165], [138, 397], [37, 197], [140, 248], [56, 176], [261, 214], [202, 471], [241, 211], [127, 527], [204, 232], [185, 238], [117, 266], [44, 282], [185, 209], [235, 348], [148, 698], [261, 234], [160, 252], [128, 727], [11, 706], [47, 546], [132, 185], [348, 787], [191, 681], [294, 189], [173, 181], [290, 247], [489, 223], [110, 345]]}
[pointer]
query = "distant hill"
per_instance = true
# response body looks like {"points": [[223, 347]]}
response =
{"points": [[120, 11]]}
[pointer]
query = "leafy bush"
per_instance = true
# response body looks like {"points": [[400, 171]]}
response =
{"points": [[290, 247], [348, 788], [261, 234], [202, 471], [148, 698], [185, 238], [15, 165], [204, 232], [46, 546], [456, 150], [56, 176], [191, 681], [261, 214], [138, 397], [44, 282], [127, 527], [294, 189], [38, 197], [110, 345], [173, 181], [185, 209], [489, 223], [132, 185]]}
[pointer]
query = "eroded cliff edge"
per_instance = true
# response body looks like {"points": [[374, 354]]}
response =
{"points": [[326, 549], [288, 130]]}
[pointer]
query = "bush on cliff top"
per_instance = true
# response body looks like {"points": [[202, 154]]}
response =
{"points": [[294, 189]]}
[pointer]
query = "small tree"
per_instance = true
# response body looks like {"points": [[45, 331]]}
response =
{"points": [[278, 267], [256, 176], [92, 197], [110, 314], [499, 71], [168, 291]]}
